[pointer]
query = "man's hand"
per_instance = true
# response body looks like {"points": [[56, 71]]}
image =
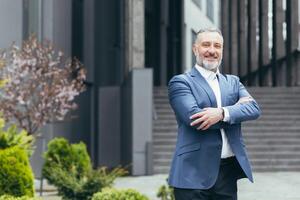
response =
{"points": [[206, 118], [210, 116]]}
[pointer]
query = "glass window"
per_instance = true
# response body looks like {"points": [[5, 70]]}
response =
{"points": [[210, 9], [198, 3], [194, 36], [30, 18]]}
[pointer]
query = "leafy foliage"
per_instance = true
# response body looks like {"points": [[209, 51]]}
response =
{"points": [[39, 84], [12, 137], [9, 197], [73, 159], [68, 167], [16, 177], [166, 193], [114, 194]]}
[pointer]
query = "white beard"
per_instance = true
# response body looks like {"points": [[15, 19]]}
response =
{"points": [[211, 66]]}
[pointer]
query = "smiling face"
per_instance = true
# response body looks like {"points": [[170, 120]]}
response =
{"points": [[208, 49]]}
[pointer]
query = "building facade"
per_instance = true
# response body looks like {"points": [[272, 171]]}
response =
{"points": [[127, 48]]}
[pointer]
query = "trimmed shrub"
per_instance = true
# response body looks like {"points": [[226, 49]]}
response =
{"points": [[16, 177], [8, 197], [68, 167], [166, 193], [114, 194], [73, 159], [13, 137]]}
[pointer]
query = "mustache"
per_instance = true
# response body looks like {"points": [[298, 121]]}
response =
{"points": [[214, 55], [208, 65]]}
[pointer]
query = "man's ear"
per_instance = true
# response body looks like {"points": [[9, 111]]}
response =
{"points": [[195, 50]]}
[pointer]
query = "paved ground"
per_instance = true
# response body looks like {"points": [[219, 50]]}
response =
{"points": [[267, 186]]}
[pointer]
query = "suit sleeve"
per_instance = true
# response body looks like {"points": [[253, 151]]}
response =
{"points": [[184, 103], [244, 111]]}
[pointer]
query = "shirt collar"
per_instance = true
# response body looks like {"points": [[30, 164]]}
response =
{"points": [[207, 74]]}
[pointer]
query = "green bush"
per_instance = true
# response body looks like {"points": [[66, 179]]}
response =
{"points": [[73, 159], [12, 137], [113, 194], [165, 193], [16, 177], [8, 197], [68, 167]]}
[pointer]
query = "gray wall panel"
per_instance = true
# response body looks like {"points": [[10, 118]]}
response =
{"points": [[11, 20], [142, 118], [109, 126]]}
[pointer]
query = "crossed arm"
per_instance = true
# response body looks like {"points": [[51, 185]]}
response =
{"points": [[210, 116], [187, 110]]}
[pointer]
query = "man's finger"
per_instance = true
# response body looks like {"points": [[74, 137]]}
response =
{"points": [[199, 120], [201, 126], [205, 125], [197, 115]]}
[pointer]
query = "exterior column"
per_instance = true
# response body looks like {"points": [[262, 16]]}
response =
{"points": [[137, 104], [265, 75], [292, 41], [164, 23], [242, 38], [134, 34], [252, 48], [234, 37], [226, 35], [278, 72]]}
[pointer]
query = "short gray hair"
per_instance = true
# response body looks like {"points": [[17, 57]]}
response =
{"points": [[211, 29]]}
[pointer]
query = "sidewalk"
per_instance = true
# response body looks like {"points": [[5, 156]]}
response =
{"points": [[267, 186]]}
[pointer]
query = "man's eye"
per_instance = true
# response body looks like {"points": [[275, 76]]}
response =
{"points": [[218, 46], [206, 44]]}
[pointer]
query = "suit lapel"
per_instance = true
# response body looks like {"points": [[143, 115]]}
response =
{"points": [[200, 80], [223, 89]]}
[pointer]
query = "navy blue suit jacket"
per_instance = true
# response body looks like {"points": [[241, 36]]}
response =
{"points": [[197, 156]]}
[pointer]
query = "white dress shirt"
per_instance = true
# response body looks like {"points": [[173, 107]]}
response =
{"points": [[213, 82]]}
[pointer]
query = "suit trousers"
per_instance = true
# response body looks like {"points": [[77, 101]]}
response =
{"points": [[225, 187]]}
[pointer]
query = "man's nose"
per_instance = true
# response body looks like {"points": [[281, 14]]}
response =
{"points": [[211, 49]]}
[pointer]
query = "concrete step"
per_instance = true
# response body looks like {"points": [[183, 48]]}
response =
{"points": [[264, 117], [286, 110], [246, 129], [264, 101], [249, 144], [276, 168], [269, 136], [268, 105], [249, 88], [289, 139], [272, 142], [254, 161], [259, 123], [252, 92], [249, 125], [158, 149], [256, 149], [253, 155], [256, 168]]}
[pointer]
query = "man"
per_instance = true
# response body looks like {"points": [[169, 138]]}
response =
{"points": [[210, 153]]}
